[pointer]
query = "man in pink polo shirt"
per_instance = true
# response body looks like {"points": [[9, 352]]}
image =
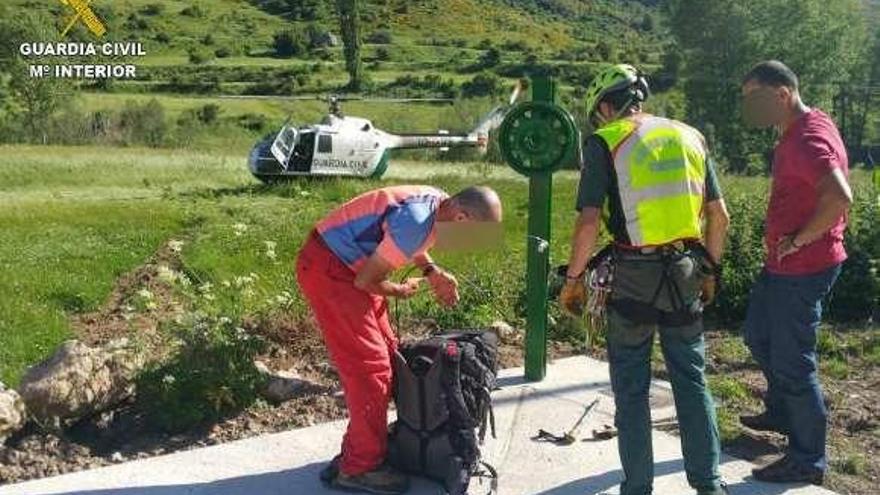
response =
{"points": [[806, 219], [343, 270]]}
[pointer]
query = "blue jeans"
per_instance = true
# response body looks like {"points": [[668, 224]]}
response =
{"points": [[780, 330], [629, 356]]}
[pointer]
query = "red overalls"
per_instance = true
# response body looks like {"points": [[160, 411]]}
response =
{"points": [[360, 341]]}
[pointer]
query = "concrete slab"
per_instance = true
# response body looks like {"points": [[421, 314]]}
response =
{"points": [[288, 463]]}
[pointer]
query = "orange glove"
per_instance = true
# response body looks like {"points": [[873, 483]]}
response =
{"points": [[573, 297]]}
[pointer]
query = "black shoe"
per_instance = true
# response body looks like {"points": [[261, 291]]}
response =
{"points": [[786, 470], [328, 474], [763, 422], [721, 490]]}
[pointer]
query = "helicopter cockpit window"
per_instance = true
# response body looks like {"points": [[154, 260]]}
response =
{"points": [[325, 143]]}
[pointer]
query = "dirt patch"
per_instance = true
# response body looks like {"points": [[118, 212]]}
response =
{"points": [[854, 418], [139, 302]]}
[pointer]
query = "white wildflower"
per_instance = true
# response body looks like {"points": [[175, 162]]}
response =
{"points": [[175, 246], [168, 379], [239, 229], [226, 283], [270, 250], [206, 287], [225, 320], [145, 294]]}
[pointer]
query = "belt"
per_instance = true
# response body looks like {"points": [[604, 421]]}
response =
{"points": [[674, 247]]}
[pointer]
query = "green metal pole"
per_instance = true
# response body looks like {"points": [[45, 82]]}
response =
{"points": [[538, 254]]}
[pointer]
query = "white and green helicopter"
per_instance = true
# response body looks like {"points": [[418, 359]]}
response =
{"points": [[342, 145]]}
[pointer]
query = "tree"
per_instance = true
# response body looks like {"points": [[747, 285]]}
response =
{"points": [[722, 39], [26, 102], [855, 103], [349, 22], [606, 52]]}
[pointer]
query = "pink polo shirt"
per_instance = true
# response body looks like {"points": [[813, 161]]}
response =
{"points": [[809, 150]]}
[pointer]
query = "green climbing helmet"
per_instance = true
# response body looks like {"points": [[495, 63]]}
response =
{"points": [[615, 78]]}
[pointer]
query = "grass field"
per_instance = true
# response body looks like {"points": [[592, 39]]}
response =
{"points": [[75, 219]]}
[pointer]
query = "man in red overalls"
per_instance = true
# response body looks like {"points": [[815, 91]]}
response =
{"points": [[343, 271]]}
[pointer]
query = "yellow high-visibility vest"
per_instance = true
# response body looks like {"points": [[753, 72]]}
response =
{"points": [[661, 176]]}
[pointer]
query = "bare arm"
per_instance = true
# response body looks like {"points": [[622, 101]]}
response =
{"points": [[373, 278], [586, 233], [717, 223], [835, 199]]}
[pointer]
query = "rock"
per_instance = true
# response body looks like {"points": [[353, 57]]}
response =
{"points": [[506, 333], [78, 381], [12, 412], [325, 40], [281, 386]]}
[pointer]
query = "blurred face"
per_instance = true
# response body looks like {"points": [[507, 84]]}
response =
{"points": [[464, 232], [765, 106]]}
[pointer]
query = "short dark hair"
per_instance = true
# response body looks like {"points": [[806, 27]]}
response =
{"points": [[772, 73], [621, 100]]}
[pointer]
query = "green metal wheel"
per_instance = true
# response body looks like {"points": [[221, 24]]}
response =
{"points": [[537, 137]]}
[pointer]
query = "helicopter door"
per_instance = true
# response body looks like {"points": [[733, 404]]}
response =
{"points": [[303, 152], [283, 145]]}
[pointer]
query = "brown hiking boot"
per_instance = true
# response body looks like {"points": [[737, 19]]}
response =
{"points": [[786, 470], [381, 481]]}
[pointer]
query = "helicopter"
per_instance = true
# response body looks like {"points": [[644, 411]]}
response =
{"points": [[348, 146]]}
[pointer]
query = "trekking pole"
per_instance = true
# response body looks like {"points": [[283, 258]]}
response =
{"points": [[569, 437]]}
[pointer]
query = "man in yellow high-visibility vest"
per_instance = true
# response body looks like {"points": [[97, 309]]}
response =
{"points": [[652, 181]]}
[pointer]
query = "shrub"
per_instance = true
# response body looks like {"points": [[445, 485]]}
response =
{"points": [[223, 52], [163, 38], [256, 122], [381, 37], [289, 43], [143, 124], [856, 295], [210, 376], [485, 84], [136, 23], [490, 58], [198, 57], [153, 9], [208, 114], [192, 11]]}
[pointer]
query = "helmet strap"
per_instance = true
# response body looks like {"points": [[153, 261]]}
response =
{"points": [[598, 120]]}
